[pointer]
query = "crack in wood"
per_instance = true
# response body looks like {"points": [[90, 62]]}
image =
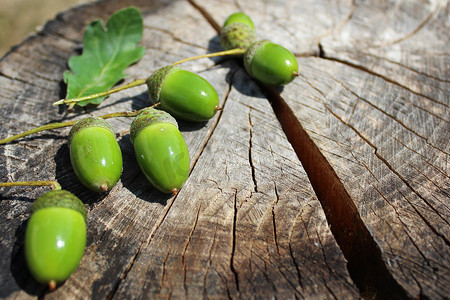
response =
{"points": [[163, 268], [291, 252], [392, 169], [233, 242], [412, 33], [329, 289], [160, 220], [288, 280], [442, 190], [323, 55], [238, 5], [341, 24], [405, 66], [164, 51], [205, 291], [213, 127], [65, 52], [46, 32], [274, 204], [173, 37], [272, 266], [366, 140], [183, 252], [30, 83], [266, 275], [250, 158], [365, 263], [404, 226], [124, 274], [221, 276], [437, 169], [384, 113]]}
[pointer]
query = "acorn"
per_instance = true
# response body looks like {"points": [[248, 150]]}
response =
{"points": [[270, 63], [55, 237], [183, 94], [238, 31], [239, 17], [160, 150], [95, 154]]}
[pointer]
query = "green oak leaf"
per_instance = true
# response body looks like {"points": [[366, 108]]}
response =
{"points": [[106, 54]]}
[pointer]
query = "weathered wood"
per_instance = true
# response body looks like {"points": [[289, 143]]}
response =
{"points": [[254, 229], [376, 105], [337, 190]]}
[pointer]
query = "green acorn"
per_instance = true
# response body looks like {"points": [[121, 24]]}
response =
{"points": [[95, 154], [183, 94], [55, 237], [239, 17], [270, 63], [160, 149], [237, 31]]}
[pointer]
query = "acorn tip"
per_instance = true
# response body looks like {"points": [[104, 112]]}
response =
{"points": [[174, 192], [295, 74], [51, 285], [104, 187]]}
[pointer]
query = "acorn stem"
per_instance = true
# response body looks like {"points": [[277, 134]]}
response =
{"points": [[52, 183], [37, 129], [236, 51], [134, 83], [139, 82], [123, 114]]}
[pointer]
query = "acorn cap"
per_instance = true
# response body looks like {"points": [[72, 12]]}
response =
{"points": [[89, 122], [248, 55], [59, 198], [237, 35], [148, 117], [156, 80]]}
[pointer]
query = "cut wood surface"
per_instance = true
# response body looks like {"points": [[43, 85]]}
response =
{"points": [[334, 186]]}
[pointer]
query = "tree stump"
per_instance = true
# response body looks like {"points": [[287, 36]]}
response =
{"points": [[334, 186]]}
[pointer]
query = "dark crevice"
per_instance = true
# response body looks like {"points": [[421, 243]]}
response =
{"points": [[297, 267], [163, 267], [183, 253], [233, 243], [274, 224], [125, 273], [321, 51], [250, 146], [290, 280], [160, 220], [365, 263]]}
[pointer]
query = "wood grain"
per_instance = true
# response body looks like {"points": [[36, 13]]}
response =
{"points": [[335, 186]]}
